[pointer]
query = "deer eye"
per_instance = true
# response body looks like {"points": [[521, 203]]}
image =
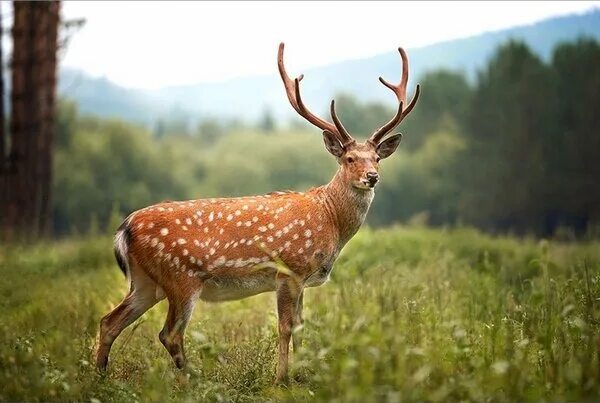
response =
{"points": [[378, 159], [350, 159]]}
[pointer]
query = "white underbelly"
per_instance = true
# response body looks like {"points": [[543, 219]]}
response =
{"points": [[228, 289]]}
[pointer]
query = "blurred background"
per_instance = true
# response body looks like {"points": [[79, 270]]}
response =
{"points": [[110, 107]]}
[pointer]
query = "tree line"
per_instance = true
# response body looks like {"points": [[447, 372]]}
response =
{"points": [[515, 150]]}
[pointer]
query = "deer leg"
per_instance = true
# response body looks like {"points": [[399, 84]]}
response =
{"points": [[298, 323], [172, 333], [287, 298], [140, 298]]}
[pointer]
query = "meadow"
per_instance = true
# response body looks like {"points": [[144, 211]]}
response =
{"points": [[411, 314]]}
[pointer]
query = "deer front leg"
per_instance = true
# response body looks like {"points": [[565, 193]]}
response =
{"points": [[288, 292], [298, 323]]}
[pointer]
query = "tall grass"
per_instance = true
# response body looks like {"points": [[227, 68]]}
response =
{"points": [[410, 314]]}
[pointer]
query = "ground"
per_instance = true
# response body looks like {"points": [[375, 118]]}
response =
{"points": [[410, 314]]}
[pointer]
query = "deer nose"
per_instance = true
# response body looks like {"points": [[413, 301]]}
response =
{"points": [[372, 177]]}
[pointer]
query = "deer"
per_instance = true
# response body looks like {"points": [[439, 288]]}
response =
{"points": [[223, 249]]}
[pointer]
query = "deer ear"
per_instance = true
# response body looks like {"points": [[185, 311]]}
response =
{"points": [[388, 146], [332, 144]]}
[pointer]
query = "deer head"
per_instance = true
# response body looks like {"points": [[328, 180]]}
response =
{"points": [[359, 162]]}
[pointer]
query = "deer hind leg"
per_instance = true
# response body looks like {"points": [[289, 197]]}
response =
{"points": [[172, 333], [298, 323], [288, 292], [141, 297]]}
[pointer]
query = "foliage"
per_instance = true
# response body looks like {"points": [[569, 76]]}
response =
{"points": [[410, 314], [515, 151]]}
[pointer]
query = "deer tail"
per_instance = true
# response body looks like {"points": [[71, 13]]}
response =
{"points": [[121, 247]]}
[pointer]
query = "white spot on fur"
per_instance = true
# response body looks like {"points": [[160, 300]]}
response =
{"points": [[211, 216], [238, 212], [270, 225], [181, 241], [154, 242], [307, 233], [308, 243], [164, 231], [229, 217], [219, 262], [188, 221], [262, 229], [192, 259]]}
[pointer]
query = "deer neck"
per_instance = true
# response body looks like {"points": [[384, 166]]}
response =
{"points": [[347, 206]]}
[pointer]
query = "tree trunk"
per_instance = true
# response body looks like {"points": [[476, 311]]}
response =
{"points": [[28, 178]]}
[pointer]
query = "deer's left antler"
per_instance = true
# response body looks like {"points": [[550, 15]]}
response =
{"points": [[400, 91]]}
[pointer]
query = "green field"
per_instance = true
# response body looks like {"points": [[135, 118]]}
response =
{"points": [[410, 314]]}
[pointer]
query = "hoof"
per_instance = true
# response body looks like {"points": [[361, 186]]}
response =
{"points": [[102, 364], [179, 361]]}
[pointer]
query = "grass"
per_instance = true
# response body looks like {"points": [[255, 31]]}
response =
{"points": [[410, 314]]}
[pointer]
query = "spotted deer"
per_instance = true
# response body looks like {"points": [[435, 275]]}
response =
{"points": [[230, 248]]}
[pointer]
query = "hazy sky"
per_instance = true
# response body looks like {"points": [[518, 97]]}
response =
{"points": [[155, 44]]}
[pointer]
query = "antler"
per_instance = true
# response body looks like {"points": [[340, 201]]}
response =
{"points": [[400, 91], [292, 88]]}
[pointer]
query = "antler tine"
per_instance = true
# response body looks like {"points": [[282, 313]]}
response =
{"points": [[347, 138], [292, 89], [400, 92]]}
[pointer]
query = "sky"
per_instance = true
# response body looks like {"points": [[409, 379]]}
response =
{"points": [[156, 44]]}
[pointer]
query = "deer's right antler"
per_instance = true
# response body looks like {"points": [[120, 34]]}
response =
{"points": [[292, 88]]}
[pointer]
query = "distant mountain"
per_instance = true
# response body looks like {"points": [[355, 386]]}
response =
{"points": [[249, 97]]}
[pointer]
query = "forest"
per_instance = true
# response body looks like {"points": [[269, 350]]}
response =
{"points": [[476, 278], [516, 151]]}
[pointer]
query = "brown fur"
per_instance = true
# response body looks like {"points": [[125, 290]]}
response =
{"points": [[232, 248], [221, 249]]}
